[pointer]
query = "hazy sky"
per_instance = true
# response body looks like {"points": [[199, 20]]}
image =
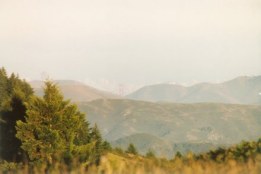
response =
{"points": [[131, 41]]}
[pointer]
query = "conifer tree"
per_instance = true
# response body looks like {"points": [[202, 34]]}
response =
{"points": [[178, 155], [118, 150], [3, 86], [95, 136], [150, 154], [132, 149], [14, 92], [106, 146], [10, 145], [53, 128]]}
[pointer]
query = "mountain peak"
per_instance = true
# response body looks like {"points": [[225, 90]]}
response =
{"points": [[75, 90]]}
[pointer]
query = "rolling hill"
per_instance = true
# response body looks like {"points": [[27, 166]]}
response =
{"points": [[173, 123], [241, 90], [75, 91]]}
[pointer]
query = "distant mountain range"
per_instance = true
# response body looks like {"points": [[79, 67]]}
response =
{"points": [[169, 118], [162, 125], [75, 91], [241, 90]]}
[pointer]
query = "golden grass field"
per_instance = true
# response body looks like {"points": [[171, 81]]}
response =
{"points": [[114, 164], [131, 164]]}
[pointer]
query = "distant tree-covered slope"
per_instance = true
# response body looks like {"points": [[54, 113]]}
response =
{"points": [[75, 91], [162, 148], [143, 142], [177, 123], [241, 90]]}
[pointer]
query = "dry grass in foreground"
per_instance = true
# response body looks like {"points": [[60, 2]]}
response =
{"points": [[131, 164], [114, 164]]}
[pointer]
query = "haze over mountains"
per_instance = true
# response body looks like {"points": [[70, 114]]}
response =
{"points": [[241, 90], [171, 117], [75, 91]]}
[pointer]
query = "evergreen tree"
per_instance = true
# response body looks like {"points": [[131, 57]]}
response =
{"points": [[3, 86], [259, 146], [53, 128], [10, 145], [241, 152], [178, 155], [97, 139], [106, 146], [150, 154], [118, 150], [131, 149], [14, 93]]}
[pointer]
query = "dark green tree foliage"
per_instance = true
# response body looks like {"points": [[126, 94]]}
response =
{"points": [[106, 146], [178, 155], [3, 86], [95, 136], [259, 146], [54, 129], [150, 154], [118, 150], [83, 135], [132, 149], [14, 92], [240, 152], [10, 145]]}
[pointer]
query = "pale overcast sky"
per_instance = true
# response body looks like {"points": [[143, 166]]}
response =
{"points": [[131, 41]]}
